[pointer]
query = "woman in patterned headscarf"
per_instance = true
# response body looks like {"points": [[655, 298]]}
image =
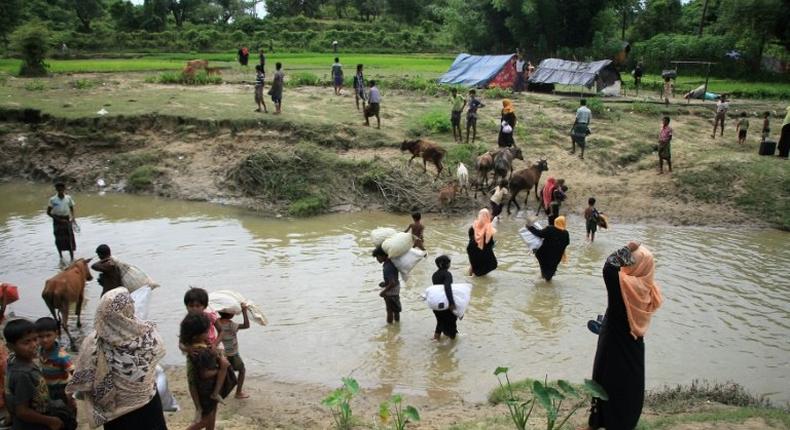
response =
{"points": [[619, 367], [115, 375], [481, 245]]}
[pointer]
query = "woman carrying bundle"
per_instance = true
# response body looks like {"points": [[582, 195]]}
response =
{"points": [[481, 245], [552, 251], [445, 319]]}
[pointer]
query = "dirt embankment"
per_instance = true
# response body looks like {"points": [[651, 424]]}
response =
{"points": [[297, 169]]}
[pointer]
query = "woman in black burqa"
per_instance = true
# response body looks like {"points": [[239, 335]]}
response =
{"points": [[619, 367], [552, 251], [480, 248]]}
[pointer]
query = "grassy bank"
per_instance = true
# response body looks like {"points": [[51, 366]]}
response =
{"points": [[736, 88]]}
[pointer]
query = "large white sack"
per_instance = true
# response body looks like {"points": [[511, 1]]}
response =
{"points": [[533, 242], [398, 244], [228, 301], [142, 299], [132, 277], [406, 262], [436, 299], [379, 235]]}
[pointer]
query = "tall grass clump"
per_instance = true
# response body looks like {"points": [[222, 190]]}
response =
{"points": [[434, 122], [142, 178], [305, 79], [31, 42], [200, 77]]}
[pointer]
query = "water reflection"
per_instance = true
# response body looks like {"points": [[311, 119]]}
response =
{"points": [[726, 314]]}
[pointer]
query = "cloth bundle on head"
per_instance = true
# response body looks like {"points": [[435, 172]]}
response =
{"points": [[483, 228], [559, 223], [641, 294], [507, 106], [548, 190], [115, 372]]}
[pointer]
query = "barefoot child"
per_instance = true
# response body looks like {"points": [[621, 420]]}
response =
{"points": [[231, 344], [337, 76], [458, 103], [204, 368], [391, 286], [591, 216], [196, 301], [374, 104], [359, 86], [416, 230], [471, 115], [742, 127], [664, 149], [259, 78], [276, 91]]}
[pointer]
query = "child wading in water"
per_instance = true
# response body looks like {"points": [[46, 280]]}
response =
{"points": [[231, 344], [742, 127], [416, 230], [259, 78], [196, 301], [390, 285], [591, 216], [203, 370], [664, 149], [471, 115], [446, 321]]}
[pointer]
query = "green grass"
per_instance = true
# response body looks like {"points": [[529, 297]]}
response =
{"points": [[310, 205], [737, 88], [35, 86], [735, 415], [181, 78], [142, 178]]}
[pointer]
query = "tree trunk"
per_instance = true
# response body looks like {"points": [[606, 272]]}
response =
{"points": [[702, 19], [759, 60], [625, 14]]}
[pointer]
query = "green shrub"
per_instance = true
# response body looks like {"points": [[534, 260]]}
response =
{"points": [[142, 178], [310, 205], [35, 85], [305, 79], [339, 402], [181, 78], [497, 93], [31, 42], [131, 160], [436, 121], [83, 84]]}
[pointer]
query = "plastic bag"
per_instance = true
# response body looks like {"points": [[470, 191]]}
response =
{"points": [[533, 242], [406, 262], [142, 300], [398, 244], [436, 299], [169, 403], [379, 235], [506, 128], [132, 277], [227, 301]]}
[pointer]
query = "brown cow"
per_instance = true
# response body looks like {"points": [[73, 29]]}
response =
{"points": [[525, 179], [429, 151], [65, 288], [195, 65], [484, 164]]}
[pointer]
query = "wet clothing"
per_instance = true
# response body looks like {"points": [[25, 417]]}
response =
{"points": [[506, 139], [391, 274], [204, 358], [557, 197], [496, 200], [483, 260], [619, 363], [64, 234], [591, 216], [109, 274], [446, 321], [550, 253]]}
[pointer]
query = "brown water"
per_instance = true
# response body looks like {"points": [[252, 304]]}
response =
{"points": [[726, 316]]}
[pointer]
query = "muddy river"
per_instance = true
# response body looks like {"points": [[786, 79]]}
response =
{"points": [[726, 315]]}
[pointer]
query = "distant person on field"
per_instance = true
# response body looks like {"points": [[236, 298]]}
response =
{"points": [[667, 94], [417, 228], [244, 55], [471, 115], [766, 126], [230, 341], [359, 86], [374, 105], [664, 146], [337, 76], [276, 91], [507, 125], [457, 103], [334, 46], [722, 106], [390, 286], [742, 128], [530, 71], [260, 76], [520, 67], [638, 73], [581, 128]]}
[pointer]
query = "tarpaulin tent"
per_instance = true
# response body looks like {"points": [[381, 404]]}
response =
{"points": [[481, 71], [556, 71]]}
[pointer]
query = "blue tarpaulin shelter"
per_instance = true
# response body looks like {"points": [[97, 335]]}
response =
{"points": [[480, 71]]}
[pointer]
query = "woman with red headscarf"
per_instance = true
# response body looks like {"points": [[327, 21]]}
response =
{"points": [[619, 367], [481, 245]]}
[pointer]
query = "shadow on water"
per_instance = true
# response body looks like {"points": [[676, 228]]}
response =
{"points": [[726, 315]]}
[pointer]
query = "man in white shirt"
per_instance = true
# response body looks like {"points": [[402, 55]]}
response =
{"points": [[61, 210], [581, 128], [722, 106], [374, 105], [520, 67]]}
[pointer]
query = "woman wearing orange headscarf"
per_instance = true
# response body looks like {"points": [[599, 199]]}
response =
{"points": [[619, 365], [507, 125], [481, 244], [552, 251]]}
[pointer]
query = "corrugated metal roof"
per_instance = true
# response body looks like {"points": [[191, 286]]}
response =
{"points": [[557, 71]]}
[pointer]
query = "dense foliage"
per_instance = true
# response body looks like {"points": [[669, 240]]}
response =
{"points": [[740, 34]]}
